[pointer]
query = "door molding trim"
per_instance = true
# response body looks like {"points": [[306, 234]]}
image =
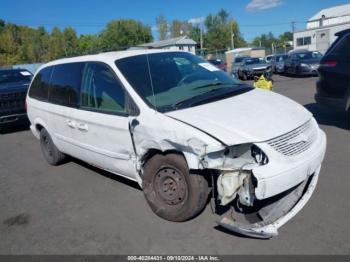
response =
{"points": [[94, 149]]}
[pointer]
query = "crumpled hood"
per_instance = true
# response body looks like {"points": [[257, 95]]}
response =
{"points": [[254, 116]]}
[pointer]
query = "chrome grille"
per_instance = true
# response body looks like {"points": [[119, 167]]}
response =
{"points": [[296, 141]]}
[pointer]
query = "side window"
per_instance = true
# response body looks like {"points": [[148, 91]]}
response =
{"points": [[101, 91], [39, 88], [65, 84]]}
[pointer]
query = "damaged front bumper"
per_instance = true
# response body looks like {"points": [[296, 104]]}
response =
{"points": [[276, 214]]}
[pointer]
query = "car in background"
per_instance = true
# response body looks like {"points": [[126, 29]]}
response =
{"points": [[333, 86], [14, 85], [278, 63], [218, 63], [269, 58], [253, 66], [303, 63], [236, 64]]}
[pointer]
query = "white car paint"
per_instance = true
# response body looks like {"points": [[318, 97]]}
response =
{"points": [[201, 133]]}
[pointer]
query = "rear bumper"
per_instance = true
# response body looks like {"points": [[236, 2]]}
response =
{"points": [[337, 103]]}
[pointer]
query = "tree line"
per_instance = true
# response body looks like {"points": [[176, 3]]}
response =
{"points": [[24, 44], [216, 31]]}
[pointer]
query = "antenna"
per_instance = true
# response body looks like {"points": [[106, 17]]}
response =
{"points": [[293, 26]]}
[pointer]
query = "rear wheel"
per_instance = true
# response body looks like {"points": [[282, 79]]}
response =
{"points": [[52, 155], [171, 191]]}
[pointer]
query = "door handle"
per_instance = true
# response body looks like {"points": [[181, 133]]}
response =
{"points": [[83, 127], [71, 123]]}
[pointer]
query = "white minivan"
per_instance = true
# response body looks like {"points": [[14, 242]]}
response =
{"points": [[184, 130]]}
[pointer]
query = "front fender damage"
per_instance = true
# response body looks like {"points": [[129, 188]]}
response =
{"points": [[232, 167]]}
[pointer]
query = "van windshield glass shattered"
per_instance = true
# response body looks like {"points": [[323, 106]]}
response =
{"points": [[171, 80]]}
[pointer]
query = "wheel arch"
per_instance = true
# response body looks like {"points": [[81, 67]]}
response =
{"points": [[191, 159]]}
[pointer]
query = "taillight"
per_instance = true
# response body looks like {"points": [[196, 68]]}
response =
{"points": [[330, 63]]}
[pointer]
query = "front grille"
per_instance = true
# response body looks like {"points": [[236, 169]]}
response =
{"points": [[12, 100], [296, 141]]}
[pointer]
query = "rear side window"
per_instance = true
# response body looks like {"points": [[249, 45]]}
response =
{"points": [[40, 86], [343, 47], [101, 91], [65, 84]]}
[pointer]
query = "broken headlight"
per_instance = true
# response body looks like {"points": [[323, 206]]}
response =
{"points": [[258, 155]]}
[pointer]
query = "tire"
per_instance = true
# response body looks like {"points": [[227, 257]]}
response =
{"points": [[171, 191], [245, 77], [52, 155]]}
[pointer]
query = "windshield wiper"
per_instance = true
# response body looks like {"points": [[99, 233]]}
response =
{"points": [[205, 94], [211, 84], [178, 103]]}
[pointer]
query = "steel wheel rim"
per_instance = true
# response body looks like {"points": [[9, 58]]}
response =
{"points": [[170, 186]]}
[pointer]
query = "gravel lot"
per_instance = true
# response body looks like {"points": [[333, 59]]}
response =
{"points": [[77, 209]]}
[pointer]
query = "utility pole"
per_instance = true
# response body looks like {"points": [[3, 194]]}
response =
{"points": [[293, 26], [201, 29], [232, 36]]}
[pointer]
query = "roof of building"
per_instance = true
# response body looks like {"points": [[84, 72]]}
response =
{"points": [[339, 10], [182, 40]]}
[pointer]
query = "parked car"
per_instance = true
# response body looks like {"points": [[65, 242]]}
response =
{"points": [[14, 84], [303, 63], [218, 63], [251, 67], [269, 58], [278, 64], [178, 126], [333, 86], [236, 64]]}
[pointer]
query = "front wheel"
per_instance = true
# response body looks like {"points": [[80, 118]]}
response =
{"points": [[171, 191]]}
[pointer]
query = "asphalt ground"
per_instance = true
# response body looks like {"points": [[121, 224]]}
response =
{"points": [[78, 209]]}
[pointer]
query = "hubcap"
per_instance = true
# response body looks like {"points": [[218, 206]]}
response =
{"points": [[170, 185]]}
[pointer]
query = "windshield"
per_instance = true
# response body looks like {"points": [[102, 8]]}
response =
{"points": [[215, 62], [240, 59], [174, 76], [9, 76], [281, 58], [252, 61], [309, 55]]}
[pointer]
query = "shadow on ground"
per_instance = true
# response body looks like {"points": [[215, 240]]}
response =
{"points": [[329, 117], [106, 174], [14, 129]]}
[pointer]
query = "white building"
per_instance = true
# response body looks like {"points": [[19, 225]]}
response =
{"points": [[321, 28], [183, 43]]}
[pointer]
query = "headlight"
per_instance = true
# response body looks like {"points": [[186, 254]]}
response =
{"points": [[304, 65], [259, 156], [235, 157]]}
